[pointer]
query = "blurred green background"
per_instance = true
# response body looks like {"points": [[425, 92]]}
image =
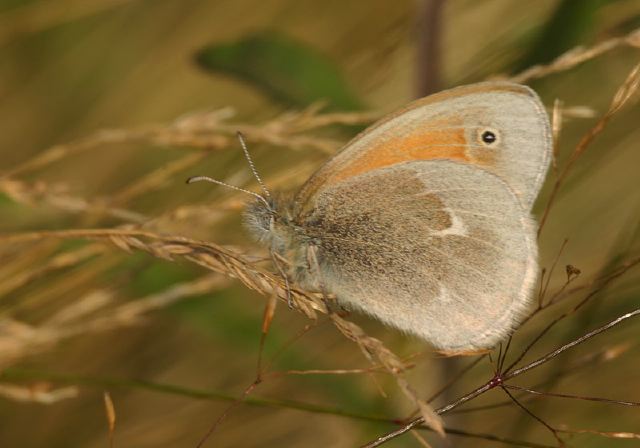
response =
{"points": [[71, 68]]}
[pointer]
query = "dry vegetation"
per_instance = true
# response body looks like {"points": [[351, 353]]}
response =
{"points": [[69, 282]]}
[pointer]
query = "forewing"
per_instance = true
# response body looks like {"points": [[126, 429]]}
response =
{"points": [[437, 248], [449, 125]]}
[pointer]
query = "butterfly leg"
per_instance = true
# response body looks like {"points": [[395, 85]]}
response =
{"points": [[314, 268], [285, 277]]}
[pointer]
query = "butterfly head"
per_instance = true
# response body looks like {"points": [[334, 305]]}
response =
{"points": [[269, 221]]}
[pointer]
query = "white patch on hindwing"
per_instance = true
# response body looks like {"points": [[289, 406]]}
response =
{"points": [[457, 227]]}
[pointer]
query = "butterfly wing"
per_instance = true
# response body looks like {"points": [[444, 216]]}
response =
{"points": [[435, 248], [450, 125]]}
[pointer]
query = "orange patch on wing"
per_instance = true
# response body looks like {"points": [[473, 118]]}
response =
{"points": [[427, 145], [447, 142]]}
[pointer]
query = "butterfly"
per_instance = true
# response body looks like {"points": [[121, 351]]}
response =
{"points": [[423, 220]]}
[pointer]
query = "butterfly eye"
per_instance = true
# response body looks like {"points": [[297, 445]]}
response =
{"points": [[488, 137]]}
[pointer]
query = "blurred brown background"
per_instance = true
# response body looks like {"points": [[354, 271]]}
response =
{"points": [[71, 69]]}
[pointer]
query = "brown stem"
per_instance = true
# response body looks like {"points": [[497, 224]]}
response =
{"points": [[428, 57], [499, 380]]}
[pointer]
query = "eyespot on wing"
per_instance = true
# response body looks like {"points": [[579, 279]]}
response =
{"points": [[445, 126]]}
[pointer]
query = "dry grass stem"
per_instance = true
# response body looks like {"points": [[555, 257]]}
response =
{"points": [[556, 128], [574, 397], [156, 179], [110, 411], [596, 282], [421, 440], [607, 434], [95, 309], [591, 360], [95, 312], [39, 193], [500, 381], [208, 255], [577, 56], [37, 393], [374, 350], [58, 262], [621, 97], [207, 130]]}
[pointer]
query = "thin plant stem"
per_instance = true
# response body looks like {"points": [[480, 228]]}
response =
{"points": [[498, 381]]}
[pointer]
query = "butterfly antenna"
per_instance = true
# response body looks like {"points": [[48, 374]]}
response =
{"points": [[224, 184], [251, 164]]}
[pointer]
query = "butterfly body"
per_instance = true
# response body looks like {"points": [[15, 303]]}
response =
{"points": [[423, 221]]}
